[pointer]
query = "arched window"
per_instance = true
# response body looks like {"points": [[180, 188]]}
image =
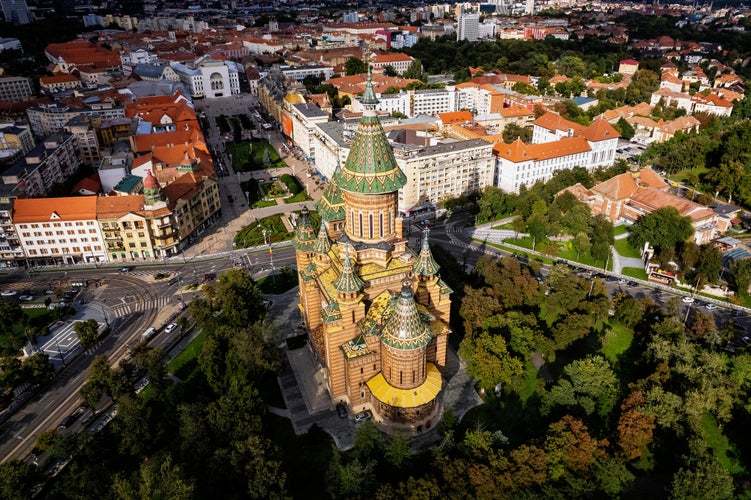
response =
{"points": [[381, 225], [370, 226], [360, 224]]}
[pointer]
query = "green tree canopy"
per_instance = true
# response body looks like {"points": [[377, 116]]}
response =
{"points": [[664, 227]]}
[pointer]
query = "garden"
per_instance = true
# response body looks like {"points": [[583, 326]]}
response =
{"points": [[252, 235], [257, 154]]}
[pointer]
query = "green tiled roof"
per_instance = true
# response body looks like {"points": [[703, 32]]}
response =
{"points": [[331, 204], [305, 236], [425, 265], [331, 312], [348, 281], [406, 329], [370, 167], [322, 244]]}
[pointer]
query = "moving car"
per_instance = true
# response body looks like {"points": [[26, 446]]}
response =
{"points": [[124, 270], [8, 293], [26, 298], [687, 300], [67, 421], [170, 328], [711, 306]]}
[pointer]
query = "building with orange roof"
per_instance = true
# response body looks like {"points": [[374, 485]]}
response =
{"points": [[81, 53], [400, 62], [58, 231], [61, 81], [631, 195], [601, 136], [628, 67], [521, 164]]}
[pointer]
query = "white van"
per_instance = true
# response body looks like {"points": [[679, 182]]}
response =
{"points": [[148, 333]]}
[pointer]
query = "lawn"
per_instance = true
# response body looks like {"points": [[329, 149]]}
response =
{"points": [[618, 230], [248, 155], [566, 251], [301, 196], [616, 341], [529, 385], [187, 361], [724, 451], [278, 283], [252, 234], [625, 249], [635, 272]]}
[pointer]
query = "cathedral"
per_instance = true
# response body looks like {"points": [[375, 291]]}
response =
{"points": [[377, 312]]}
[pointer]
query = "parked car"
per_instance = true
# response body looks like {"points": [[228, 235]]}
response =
{"points": [[711, 306], [8, 293], [170, 328], [26, 298], [363, 416], [687, 300], [341, 410]]}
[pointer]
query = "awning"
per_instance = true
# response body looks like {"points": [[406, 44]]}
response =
{"points": [[407, 398]]}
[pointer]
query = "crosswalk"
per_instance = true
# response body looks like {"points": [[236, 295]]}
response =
{"points": [[140, 305]]}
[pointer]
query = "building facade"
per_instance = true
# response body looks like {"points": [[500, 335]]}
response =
{"points": [[377, 313], [15, 88], [51, 162]]}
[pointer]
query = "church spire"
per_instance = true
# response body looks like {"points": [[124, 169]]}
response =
{"points": [[322, 244], [426, 264], [348, 281], [370, 167], [405, 329], [304, 233]]}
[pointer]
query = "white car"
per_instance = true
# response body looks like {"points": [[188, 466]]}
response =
{"points": [[362, 417], [26, 298], [170, 328], [687, 300], [711, 306], [8, 293]]}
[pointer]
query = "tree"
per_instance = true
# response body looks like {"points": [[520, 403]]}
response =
{"points": [[355, 66], [628, 310], [708, 266], [706, 480], [576, 218], [266, 158], [414, 71], [154, 363], [17, 480], [37, 369], [571, 450], [625, 129], [590, 384], [256, 458], [87, 332], [398, 450], [513, 132], [665, 227], [581, 244], [489, 361], [635, 428], [239, 298], [388, 70], [158, 478], [537, 227], [601, 235]]}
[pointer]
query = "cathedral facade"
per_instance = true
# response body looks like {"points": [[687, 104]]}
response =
{"points": [[377, 312]]}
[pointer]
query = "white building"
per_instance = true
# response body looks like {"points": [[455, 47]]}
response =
{"points": [[305, 117], [59, 230], [209, 78], [435, 171], [468, 27], [299, 73], [16, 11], [524, 164]]}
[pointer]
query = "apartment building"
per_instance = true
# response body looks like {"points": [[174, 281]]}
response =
{"points": [[46, 119], [303, 119], [86, 140], [55, 231], [11, 251], [15, 139], [15, 88], [600, 135], [434, 170], [51, 162], [447, 170], [61, 81]]}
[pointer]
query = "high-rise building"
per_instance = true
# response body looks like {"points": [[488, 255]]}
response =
{"points": [[16, 11], [377, 312], [468, 27]]}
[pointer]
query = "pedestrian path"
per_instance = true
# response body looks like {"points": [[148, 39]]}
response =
{"points": [[143, 305]]}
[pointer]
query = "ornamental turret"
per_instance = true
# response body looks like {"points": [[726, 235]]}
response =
{"points": [[425, 266]]}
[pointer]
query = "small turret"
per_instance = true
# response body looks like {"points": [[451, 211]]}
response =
{"points": [[305, 236], [425, 265], [348, 282]]}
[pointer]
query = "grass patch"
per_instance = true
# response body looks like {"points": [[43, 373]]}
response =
{"points": [[566, 251], [635, 272], [529, 384], [625, 249], [616, 341], [264, 203], [252, 234], [278, 283], [301, 196], [508, 225], [515, 251], [724, 451], [618, 230], [248, 155], [183, 365]]}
